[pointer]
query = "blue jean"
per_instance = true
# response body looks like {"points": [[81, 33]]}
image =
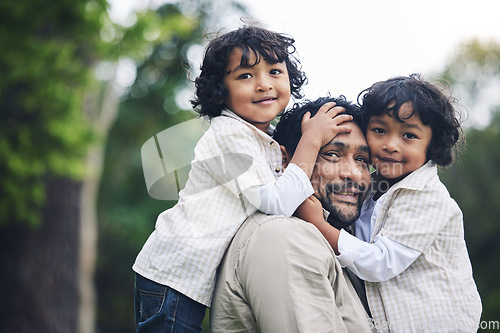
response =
{"points": [[159, 308]]}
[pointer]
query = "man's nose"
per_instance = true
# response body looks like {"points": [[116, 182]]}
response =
{"points": [[350, 170]]}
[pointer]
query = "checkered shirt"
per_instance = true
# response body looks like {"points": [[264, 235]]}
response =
{"points": [[436, 293], [189, 241]]}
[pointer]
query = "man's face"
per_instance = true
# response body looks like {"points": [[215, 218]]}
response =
{"points": [[342, 175]]}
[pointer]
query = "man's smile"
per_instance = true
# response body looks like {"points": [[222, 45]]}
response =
{"points": [[347, 197], [345, 193]]}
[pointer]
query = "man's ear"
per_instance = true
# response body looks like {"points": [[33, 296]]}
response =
{"points": [[286, 157]]}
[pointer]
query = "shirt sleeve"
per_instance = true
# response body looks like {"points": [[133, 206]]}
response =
{"points": [[415, 218], [231, 155], [283, 196], [375, 262]]}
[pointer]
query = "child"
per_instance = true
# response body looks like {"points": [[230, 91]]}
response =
{"points": [[415, 261], [246, 80]]}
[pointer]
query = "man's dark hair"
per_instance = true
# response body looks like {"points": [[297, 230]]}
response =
{"points": [[264, 44], [288, 131], [432, 106]]}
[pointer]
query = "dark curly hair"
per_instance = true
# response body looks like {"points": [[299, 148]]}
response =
{"points": [[433, 107], [288, 131], [264, 44]]}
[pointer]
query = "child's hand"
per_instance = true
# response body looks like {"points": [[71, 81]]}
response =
{"points": [[326, 124], [311, 211]]}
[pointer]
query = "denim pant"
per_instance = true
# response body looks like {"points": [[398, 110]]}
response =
{"points": [[159, 308]]}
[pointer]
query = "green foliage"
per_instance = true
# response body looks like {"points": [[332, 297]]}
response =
{"points": [[46, 51], [475, 184], [474, 181]]}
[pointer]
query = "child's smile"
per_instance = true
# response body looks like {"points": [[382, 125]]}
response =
{"points": [[398, 148], [256, 93]]}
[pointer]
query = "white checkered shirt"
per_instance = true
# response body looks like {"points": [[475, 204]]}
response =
{"points": [[436, 293], [190, 239]]}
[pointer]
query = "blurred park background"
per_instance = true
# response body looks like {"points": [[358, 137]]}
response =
{"points": [[80, 94]]}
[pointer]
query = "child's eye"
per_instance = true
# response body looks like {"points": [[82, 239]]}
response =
{"points": [[410, 136], [276, 71], [378, 130], [244, 76]]}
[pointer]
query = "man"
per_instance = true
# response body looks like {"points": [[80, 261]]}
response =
{"points": [[279, 274]]}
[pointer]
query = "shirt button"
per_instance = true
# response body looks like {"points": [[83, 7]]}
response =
{"points": [[272, 143], [278, 169]]}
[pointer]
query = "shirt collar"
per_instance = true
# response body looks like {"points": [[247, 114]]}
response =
{"points": [[418, 178], [228, 113]]}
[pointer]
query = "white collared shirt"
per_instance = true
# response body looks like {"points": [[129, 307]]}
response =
{"points": [[189, 241]]}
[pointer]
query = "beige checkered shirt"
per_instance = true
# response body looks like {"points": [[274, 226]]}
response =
{"points": [[190, 239], [436, 293]]}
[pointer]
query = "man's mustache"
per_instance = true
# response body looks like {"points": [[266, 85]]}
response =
{"points": [[342, 187]]}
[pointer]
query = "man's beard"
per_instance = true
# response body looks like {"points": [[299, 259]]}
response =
{"points": [[338, 218]]}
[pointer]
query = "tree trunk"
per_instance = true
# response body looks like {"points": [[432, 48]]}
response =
{"points": [[40, 266], [102, 117], [47, 280]]}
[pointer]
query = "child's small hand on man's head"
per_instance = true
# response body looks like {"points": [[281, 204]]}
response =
{"points": [[326, 124]]}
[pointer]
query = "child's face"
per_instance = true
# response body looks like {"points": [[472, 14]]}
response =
{"points": [[398, 148], [259, 93]]}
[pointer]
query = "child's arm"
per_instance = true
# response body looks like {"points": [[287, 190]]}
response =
{"points": [[317, 132], [375, 262], [283, 196], [312, 211]]}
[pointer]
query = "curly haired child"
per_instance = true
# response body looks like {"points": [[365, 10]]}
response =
{"points": [[410, 250], [246, 80]]}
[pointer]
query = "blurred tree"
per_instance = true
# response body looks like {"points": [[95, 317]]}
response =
{"points": [[55, 116], [475, 184], [48, 49], [474, 181], [474, 72], [157, 100]]}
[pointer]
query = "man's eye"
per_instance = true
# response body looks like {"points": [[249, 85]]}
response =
{"points": [[363, 161], [331, 155]]}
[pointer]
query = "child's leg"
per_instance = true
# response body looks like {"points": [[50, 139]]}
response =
{"points": [[159, 308]]}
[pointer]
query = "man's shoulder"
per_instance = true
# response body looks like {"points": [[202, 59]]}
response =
{"points": [[260, 221], [260, 228]]}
